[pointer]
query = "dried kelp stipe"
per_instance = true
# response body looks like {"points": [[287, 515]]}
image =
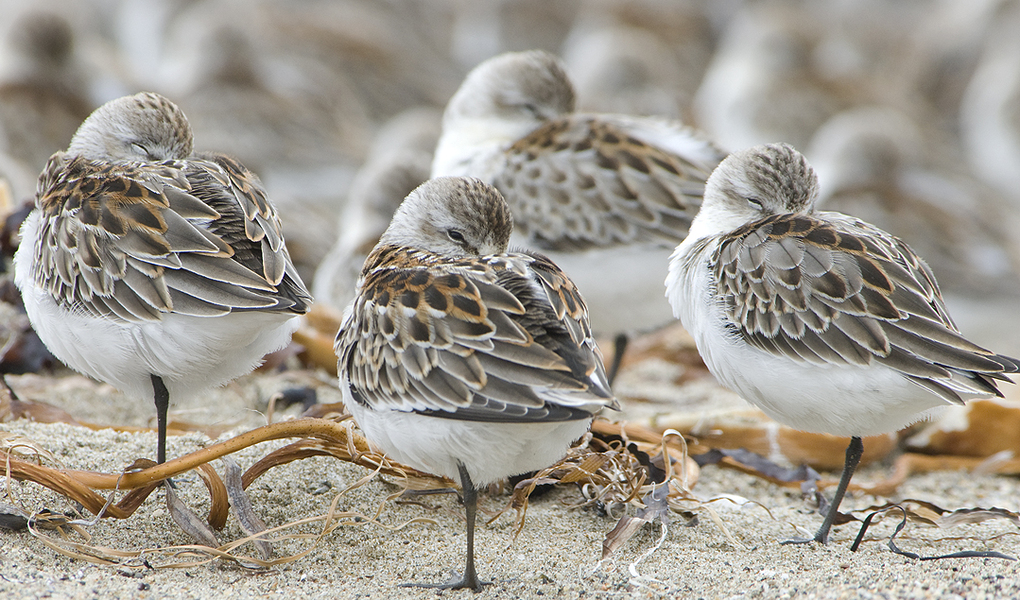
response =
{"points": [[187, 520], [241, 503], [908, 509], [185, 556], [339, 440], [24, 461], [69, 536]]}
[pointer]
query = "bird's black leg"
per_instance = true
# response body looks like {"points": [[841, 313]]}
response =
{"points": [[853, 457], [619, 347], [161, 396], [470, 578]]}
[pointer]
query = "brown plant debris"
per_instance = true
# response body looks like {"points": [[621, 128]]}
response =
{"points": [[936, 516], [24, 461], [241, 503], [322, 438], [656, 507], [187, 520]]}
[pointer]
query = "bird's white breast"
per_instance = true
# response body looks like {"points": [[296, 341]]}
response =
{"points": [[840, 399], [190, 353], [489, 451], [621, 285]]}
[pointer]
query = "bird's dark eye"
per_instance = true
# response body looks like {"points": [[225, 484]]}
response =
{"points": [[455, 235], [755, 203]]}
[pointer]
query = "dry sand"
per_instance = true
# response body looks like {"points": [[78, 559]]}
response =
{"points": [[556, 555]]}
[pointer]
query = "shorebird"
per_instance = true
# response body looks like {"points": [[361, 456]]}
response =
{"points": [[398, 162], [44, 92], [152, 268], [606, 197], [826, 322], [459, 358]]}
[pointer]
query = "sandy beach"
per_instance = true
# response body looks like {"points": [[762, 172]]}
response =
{"points": [[891, 101], [557, 554]]}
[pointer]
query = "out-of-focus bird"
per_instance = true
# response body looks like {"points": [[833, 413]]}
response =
{"points": [[605, 196], [989, 118], [766, 80], [43, 95], [399, 161]]}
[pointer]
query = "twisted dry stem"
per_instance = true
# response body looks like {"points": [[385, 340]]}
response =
{"points": [[322, 438]]}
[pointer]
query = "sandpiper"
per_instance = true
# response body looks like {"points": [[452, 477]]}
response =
{"points": [[462, 359], [157, 270], [826, 322]]}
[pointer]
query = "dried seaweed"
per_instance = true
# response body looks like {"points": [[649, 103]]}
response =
{"points": [[630, 473], [185, 556], [241, 503], [187, 520], [12, 407], [25, 461], [944, 519], [652, 476], [754, 464], [326, 438], [57, 531], [656, 507]]}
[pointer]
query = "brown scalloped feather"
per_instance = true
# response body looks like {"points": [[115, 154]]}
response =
{"points": [[134, 241], [484, 337], [580, 182], [832, 289]]}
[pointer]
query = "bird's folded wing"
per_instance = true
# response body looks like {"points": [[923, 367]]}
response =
{"points": [[840, 291], [477, 340], [582, 181], [137, 241]]}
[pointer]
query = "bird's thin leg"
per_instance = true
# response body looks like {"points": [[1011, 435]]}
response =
{"points": [[161, 396], [619, 347], [470, 578], [853, 457]]}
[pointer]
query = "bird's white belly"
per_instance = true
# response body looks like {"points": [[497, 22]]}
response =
{"points": [[189, 353], [836, 399], [621, 286], [489, 451], [839, 399]]}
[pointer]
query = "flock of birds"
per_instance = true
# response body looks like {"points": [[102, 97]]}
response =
{"points": [[478, 258]]}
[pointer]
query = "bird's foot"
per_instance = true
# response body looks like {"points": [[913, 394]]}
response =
{"points": [[456, 582], [820, 539]]}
